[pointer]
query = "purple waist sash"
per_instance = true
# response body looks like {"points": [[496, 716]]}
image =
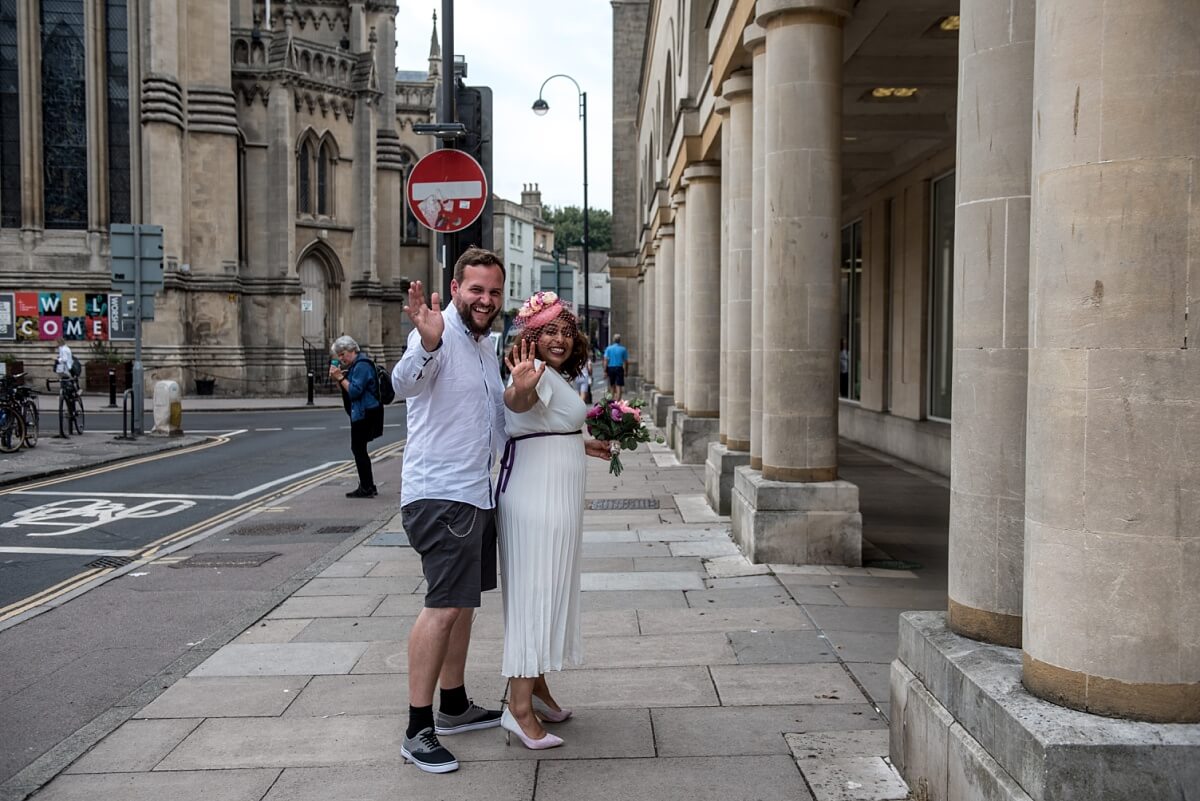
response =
{"points": [[510, 456]]}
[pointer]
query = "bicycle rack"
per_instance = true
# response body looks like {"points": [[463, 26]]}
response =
{"points": [[127, 431]]}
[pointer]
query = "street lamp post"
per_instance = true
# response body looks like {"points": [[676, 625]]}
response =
{"points": [[540, 107]]}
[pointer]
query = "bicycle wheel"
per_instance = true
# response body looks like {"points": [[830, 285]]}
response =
{"points": [[29, 411], [12, 430], [77, 414]]}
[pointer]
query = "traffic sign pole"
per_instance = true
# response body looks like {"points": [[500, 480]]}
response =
{"points": [[138, 388]]}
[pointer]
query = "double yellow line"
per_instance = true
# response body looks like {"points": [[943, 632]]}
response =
{"points": [[149, 552]]}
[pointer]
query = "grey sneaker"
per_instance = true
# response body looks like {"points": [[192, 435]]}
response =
{"points": [[476, 717], [424, 751]]}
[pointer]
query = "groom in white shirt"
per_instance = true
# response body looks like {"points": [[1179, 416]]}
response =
{"points": [[450, 376]]}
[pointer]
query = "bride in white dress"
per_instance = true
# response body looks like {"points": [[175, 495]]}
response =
{"points": [[540, 497]]}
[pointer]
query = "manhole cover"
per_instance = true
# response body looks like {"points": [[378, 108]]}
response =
{"points": [[266, 529], [227, 560], [338, 529], [110, 561], [613, 504], [893, 564]]}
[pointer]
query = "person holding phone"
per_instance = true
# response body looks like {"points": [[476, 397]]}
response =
{"points": [[355, 375]]}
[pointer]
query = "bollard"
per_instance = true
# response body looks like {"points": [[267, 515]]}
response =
{"points": [[168, 410], [112, 388], [310, 388]]}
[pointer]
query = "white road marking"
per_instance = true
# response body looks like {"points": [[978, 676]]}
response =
{"points": [[64, 551], [310, 428], [268, 429]]}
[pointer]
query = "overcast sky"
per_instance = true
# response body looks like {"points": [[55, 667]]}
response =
{"points": [[512, 47]]}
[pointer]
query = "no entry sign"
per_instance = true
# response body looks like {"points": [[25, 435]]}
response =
{"points": [[447, 191]]}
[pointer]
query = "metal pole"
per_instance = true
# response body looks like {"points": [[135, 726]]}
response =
{"points": [[310, 388], [112, 388], [587, 283], [448, 114], [138, 400]]}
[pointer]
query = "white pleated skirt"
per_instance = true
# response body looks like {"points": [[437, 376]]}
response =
{"points": [[540, 522]]}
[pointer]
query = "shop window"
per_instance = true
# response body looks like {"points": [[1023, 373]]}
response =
{"points": [[941, 302], [850, 346]]}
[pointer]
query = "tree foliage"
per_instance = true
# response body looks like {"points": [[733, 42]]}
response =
{"points": [[568, 227]]}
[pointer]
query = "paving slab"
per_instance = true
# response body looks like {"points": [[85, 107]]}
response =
{"points": [[908, 599], [809, 594], [780, 647], [355, 629], [672, 621], [695, 509], [633, 599], [481, 781], [739, 597], [620, 535], [637, 688], [273, 630], [666, 580], [400, 606], [398, 568], [709, 549], [732, 566], [865, 646], [775, 778], [854, 779], [347, 569], [328, 606], [838, 744], [875, 678], [720, 731], [683, 534], [587, 734], [606, 564], [855, 618], [228, 743], [669, 563], [591, 549], [735, 582], [359, 586], [818, 683], [658, 650], [136, 745], [226, 697], [381, 694], [207, 785], [282, 659]]}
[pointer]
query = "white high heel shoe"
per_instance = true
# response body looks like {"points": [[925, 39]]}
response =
{"points": [[512, 726]]}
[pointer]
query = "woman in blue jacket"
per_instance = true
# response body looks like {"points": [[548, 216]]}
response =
{"points": [[355, 375]]}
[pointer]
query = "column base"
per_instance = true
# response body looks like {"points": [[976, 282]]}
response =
{"points": [[797, 523], [674, 413], [660, 405], [718, 475], [965, 728], [692, 436]]}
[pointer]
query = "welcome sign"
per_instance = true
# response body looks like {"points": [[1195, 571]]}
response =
{"points": [[46, 316]]}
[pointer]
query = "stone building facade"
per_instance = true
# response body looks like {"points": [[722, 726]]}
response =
{"points": [[270, 140], [869, 219]]}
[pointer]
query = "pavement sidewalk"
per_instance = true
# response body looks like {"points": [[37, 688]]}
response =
{"points": [[706, 677]]}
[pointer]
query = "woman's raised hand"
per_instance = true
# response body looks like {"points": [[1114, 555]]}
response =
{"points": [[429, 321], [525, 374]]}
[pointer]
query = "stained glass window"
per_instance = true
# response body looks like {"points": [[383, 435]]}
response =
{"points": [[303, 184], [10, 123], [117, 56], [64, 114]]}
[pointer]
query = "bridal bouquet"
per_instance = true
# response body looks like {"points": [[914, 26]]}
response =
{"points": [[620, 424]]}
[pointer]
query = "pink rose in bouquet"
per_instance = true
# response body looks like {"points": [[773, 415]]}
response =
{"points": [[620, 424]]}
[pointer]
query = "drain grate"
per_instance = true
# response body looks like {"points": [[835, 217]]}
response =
{"points": [[338, 529], [110, 561], [614, 504], [227, 560], [893, 564], [267, 529]]}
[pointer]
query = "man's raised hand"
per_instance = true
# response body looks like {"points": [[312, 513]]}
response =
{"points": [[427, 319]]}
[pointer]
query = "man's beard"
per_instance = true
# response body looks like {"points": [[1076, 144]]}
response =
{"points": [[468, 318]]}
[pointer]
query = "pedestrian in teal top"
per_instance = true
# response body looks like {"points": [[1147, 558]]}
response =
{"points": [[615, 356]]}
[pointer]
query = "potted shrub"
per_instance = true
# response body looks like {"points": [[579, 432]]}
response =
{"points": [[102, 357]]}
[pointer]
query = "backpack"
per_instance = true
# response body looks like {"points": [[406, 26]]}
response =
{"points": [[385, 393], [76, 368]]}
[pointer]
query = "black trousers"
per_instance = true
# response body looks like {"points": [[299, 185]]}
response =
{"points": [[361, 433]]}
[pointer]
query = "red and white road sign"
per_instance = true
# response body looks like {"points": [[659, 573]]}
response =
{"points": [[447, 191]]}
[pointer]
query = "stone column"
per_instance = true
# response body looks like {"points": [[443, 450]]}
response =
{"points": [[647, 337], [991, 319], [664, 325], [721, 106], [725, 457], [679, 203], [755, 40], [796, 510], [1112, 594], [702, 315]]}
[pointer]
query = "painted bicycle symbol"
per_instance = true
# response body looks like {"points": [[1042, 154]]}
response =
{"points": [[80, 514]]}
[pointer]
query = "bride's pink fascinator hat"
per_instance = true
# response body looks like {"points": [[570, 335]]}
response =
{"points": [[540, 309]]}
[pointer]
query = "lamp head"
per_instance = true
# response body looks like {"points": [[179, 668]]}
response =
{"points": [[540, 107]]}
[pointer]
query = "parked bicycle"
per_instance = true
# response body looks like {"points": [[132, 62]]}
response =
{"points": [[12, 427], [70, 405], [25, 400]]}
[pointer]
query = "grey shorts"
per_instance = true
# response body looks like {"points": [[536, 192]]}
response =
{"points": [[457, 544]]}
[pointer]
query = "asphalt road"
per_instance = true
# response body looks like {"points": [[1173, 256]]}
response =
{"points": [[269, 484]]}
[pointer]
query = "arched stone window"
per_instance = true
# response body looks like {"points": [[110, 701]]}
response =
{"points": [[411, 231], [326, 186], [304, 178]]}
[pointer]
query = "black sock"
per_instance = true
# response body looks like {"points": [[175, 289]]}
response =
{"points": [[419, 717], [454, 700]]}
